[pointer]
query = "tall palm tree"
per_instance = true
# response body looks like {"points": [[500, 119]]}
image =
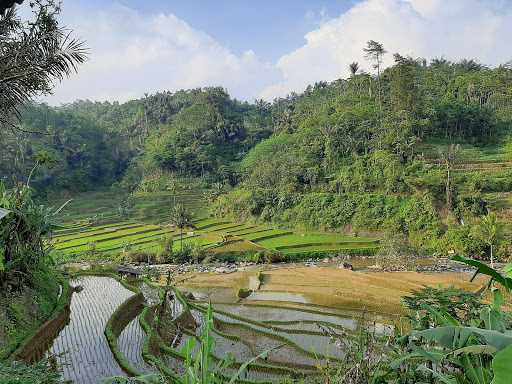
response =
{"points": [[374, 51], [181, 218], [448, 158]]}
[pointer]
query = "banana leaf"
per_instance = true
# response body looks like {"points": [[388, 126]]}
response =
{"points": [[502, 366], [457, 337], [485, 270]]}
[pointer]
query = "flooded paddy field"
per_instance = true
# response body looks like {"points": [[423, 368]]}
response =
{"points": [[81, 350], [290, 312]]}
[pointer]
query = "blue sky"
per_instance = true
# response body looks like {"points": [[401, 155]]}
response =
{"points": [[266, 48], [270, 27]]}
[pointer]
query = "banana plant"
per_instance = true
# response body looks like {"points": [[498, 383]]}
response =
{"points": [[455, 354]]}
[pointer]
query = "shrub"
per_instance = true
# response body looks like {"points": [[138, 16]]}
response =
{"points": [[461, 305], [270, 256], [141, 257], [20, 373]]}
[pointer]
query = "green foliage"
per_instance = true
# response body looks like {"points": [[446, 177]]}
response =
{"points": [[24, 310], [458, 339], [22, 233], [491, 232], [44, 52], [425, 304], [18, 373], [187, 253]]}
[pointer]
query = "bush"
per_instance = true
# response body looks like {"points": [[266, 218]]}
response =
{"points": [[20, 373], [460, 240], [461, 305], [141, 257], [189, 253]]}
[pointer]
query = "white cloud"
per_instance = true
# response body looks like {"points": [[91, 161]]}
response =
{"points": [[454, 29], [131, 54]]}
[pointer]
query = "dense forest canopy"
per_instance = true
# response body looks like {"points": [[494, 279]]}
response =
{"points": [[91, 144]]}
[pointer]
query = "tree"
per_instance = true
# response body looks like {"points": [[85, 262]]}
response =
{"points": [[181, 218], [41, 158], [490, 231], [375, 51], [353, 67], [33, 54], [22, 234], [448, 158], [404, 90]]}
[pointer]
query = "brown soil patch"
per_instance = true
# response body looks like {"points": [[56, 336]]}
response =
{"points": [[375, 291]]}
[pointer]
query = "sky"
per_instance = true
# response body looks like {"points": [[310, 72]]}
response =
{"points": [[265, 48]]}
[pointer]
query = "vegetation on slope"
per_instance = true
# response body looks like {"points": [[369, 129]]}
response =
{"points": [[366, 154]]}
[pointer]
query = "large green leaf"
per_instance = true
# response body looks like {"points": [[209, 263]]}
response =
{"points": [[457, 337], [476, 349], [502, 366], [486, 270], [452, 337]]}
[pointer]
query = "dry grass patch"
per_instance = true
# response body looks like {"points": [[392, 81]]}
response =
{"points": [[338, 288]]}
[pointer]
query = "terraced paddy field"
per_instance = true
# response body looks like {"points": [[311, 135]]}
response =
{"points": [[326, 287], [113, 330], [147, 229], [81, 349]]}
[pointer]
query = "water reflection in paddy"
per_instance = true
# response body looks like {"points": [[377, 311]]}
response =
{"points": [[278, 296], [130, 343], [81, 349], [263, 313]]}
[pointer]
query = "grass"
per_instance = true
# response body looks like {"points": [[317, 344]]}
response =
{"points": [[255, 236], [111, 239], [311, 239]]}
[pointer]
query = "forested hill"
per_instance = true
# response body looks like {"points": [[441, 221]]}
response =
{"points": [[372, 153], [368, 153], [85, 145]]}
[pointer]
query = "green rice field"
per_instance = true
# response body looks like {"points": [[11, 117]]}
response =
{"points": [[94, 229]]}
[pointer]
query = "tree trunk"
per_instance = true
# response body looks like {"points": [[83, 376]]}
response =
{"points": [[492, 258], [448, 191]]}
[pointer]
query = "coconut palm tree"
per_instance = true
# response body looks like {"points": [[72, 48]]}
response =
{"points": [[374, 51], [181, 218], [353, 67], [490, 231]]}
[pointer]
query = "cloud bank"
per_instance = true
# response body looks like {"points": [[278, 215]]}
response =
{"points": [[132, 53], [455, 29]]}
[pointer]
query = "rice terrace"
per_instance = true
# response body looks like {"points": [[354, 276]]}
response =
{"points": [[198, 192]]}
